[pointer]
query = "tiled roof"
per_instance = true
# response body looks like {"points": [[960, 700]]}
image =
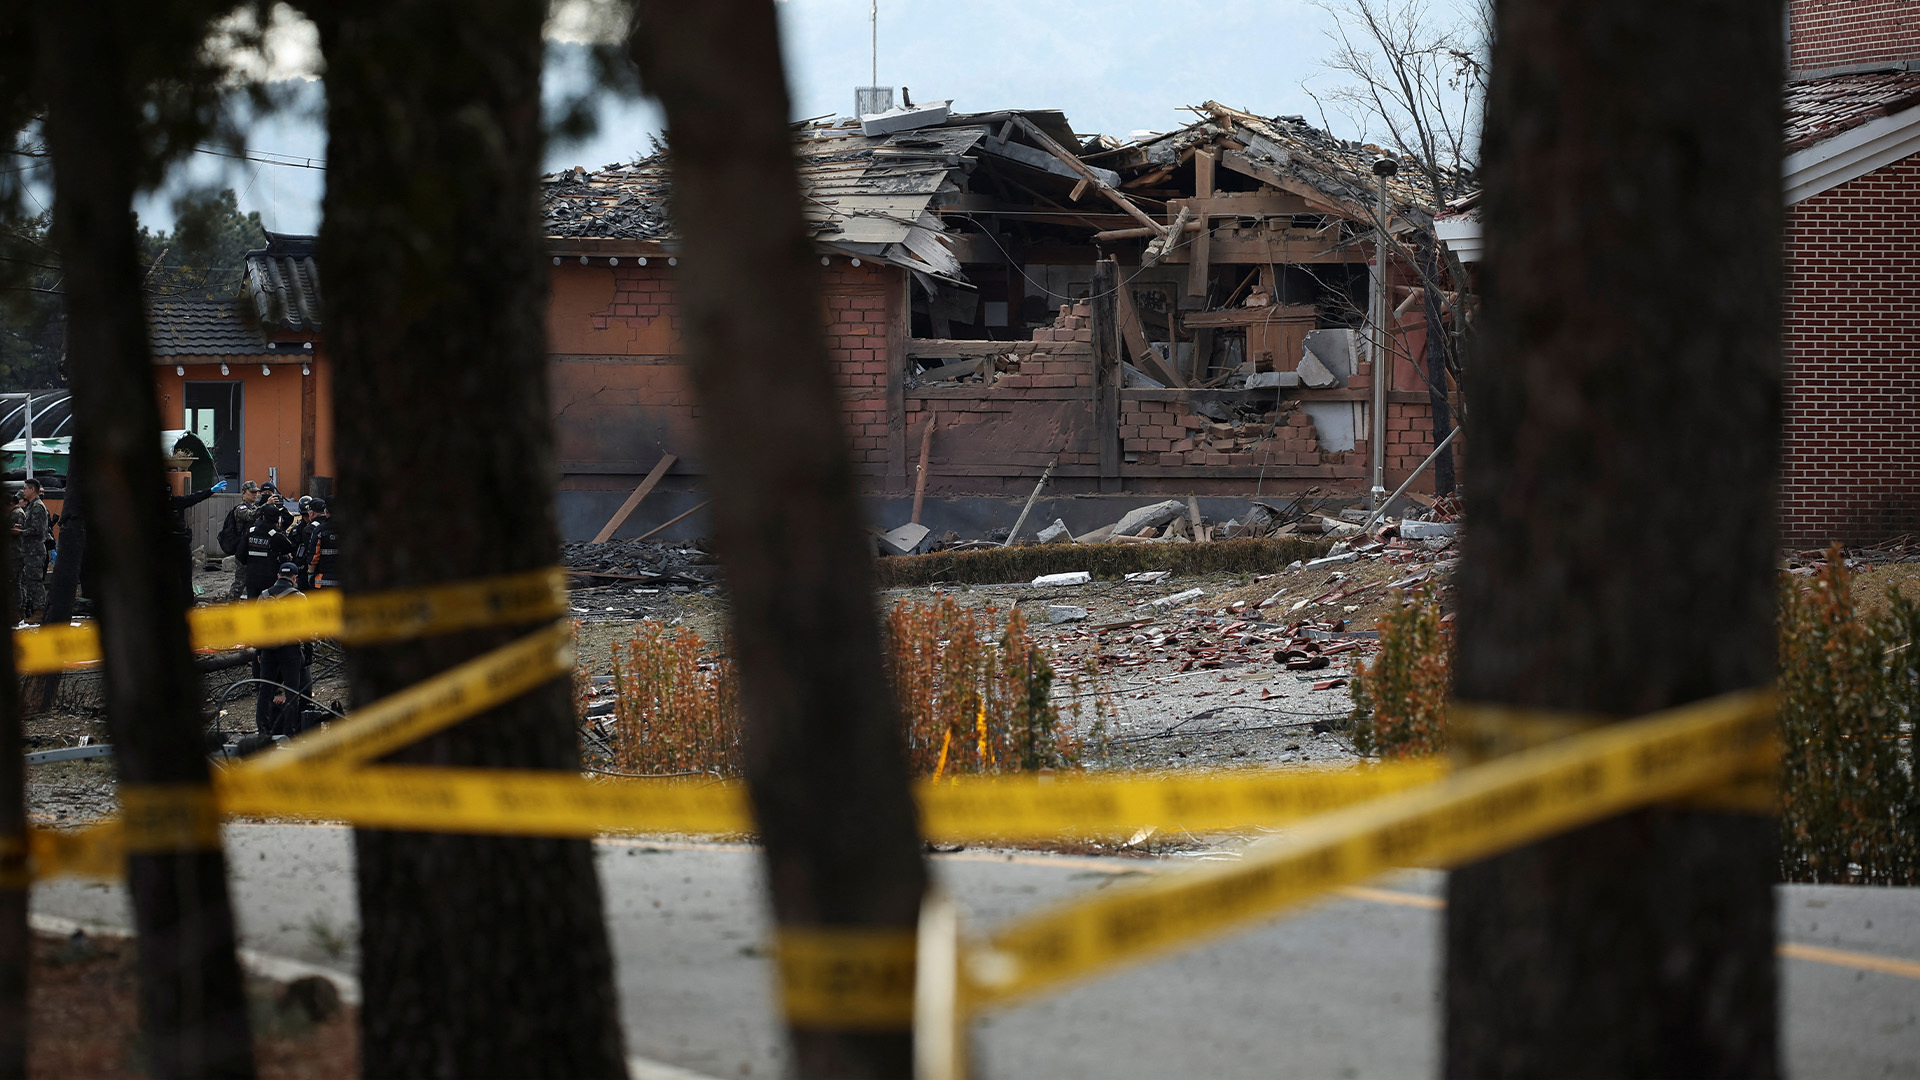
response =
{"points": [[865, 195], [1819, 109], [202, 328], [284, 281]]}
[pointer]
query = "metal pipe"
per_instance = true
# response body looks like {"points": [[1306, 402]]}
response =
{"points": [[1408, 482], [1377, 429]]}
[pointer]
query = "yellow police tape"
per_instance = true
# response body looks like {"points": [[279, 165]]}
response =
{"points": [[1472, 814], [360, 620], [530, 803], [846, 979], [429, 706]]}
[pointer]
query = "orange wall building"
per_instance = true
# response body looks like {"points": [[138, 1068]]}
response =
{"points": [[251, 375]]}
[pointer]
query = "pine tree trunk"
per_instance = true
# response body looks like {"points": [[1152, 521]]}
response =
{"points": [[481, 956], [824, 761], [1621, 552], [192, 1008], [15, 941]]}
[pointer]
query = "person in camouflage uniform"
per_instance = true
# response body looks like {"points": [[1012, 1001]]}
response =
{"points": [[240, 519], [30, 552]]}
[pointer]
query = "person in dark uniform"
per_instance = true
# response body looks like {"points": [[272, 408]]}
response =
{"points": [[324, 558], [278, 712], [267, 547], [182, 537], [302, 536]]}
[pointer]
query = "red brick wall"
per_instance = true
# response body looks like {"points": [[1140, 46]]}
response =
{"points": [[1851, 468], [1839, 33]]}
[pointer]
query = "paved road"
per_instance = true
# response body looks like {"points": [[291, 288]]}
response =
{"points": [[1344, 989]]}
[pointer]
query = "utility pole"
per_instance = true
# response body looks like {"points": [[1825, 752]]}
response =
{"points": [[1382, 303]]}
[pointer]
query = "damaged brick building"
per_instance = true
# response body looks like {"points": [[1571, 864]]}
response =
{"points": [[1850, 466], [959, 257]]}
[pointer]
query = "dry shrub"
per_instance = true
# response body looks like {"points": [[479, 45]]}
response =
{"points": [[973, 696], [971, 701], [1400, 700], [678, 708], [1849, 689]]}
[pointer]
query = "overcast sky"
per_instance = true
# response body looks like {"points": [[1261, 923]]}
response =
{"points": [[1113, 66]]}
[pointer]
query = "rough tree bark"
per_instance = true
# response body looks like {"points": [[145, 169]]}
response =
{"points": [[192, 1008], [823, 757], [15, 942], [1622, 552], [482, 956]]}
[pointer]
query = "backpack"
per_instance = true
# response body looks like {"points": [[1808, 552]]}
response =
{"points": [[230, 540]]}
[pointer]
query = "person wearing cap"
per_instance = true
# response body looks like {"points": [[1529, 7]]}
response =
{"points": [[234, 531], [323, 558], [278, 712], [302, 536], [267, 547]]}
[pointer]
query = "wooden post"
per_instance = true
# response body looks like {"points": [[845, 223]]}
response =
{"points": [[620, 516], [1198, 268], [900, 306], [1106, 371], [920, 477], [309, 428]]}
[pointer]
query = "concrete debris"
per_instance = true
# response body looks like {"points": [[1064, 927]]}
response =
{"points": [[1333, 560], [1073, 577], [904, 540], [1427, 530], [1134, 521], [1180, 598], [1148, 577], [1065, 613], [1055, 533], [1314, 373], [1273, 380]]}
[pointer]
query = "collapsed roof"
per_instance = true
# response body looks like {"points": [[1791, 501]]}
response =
{"points": [[902, 187]]}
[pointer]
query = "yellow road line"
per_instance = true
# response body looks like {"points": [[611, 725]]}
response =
{"points": [[1814, 954], [1846, 958]]}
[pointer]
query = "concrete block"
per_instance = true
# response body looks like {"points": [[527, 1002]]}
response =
{"points": [[1056, 533], [904, 540], [1332, 560], [1157, 514], [1273, 380], [1072, 577], [1065, 613], [1314, 373], [1180, 598], [1427, 530]]}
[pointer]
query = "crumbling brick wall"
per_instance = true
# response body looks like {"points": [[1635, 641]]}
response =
{"points": [[1842, 33], [1851, 465]]}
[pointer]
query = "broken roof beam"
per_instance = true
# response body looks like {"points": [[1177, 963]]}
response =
{"points": [[1090, 173], [1239, 162]]}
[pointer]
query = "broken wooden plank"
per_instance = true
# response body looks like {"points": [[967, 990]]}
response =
{"points": [[675, 520], [1073, 162], [1079, 189], [1145, 356], [960, 370], [620, 516], [1138, 234], [1162, 246]]}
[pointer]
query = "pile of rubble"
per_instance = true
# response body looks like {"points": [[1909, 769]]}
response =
{"points": [[640, 562]]}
